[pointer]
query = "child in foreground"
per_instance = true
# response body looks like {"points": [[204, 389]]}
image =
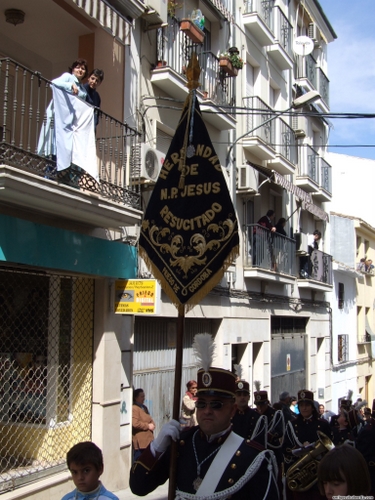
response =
{"points": [[343, 471], [85, 462]]}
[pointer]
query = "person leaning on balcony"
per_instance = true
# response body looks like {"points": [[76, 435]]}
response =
{"points": [[95, 79], [312, 244], [70, 82], [267, 222]]}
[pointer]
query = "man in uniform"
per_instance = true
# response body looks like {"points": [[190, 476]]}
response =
{"points": [[211, 458], [300, 433], [245, 418]]}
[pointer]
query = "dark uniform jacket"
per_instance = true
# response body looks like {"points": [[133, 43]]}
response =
{"points": [[243, 422], [149, 472], [365, 443], [340, 436]]}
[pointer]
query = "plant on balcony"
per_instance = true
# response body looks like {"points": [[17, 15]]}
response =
{"points": [[230, 63], [234, 58], [193, 26], [172, 7]]}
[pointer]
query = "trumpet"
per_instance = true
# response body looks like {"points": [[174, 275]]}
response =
{"points": [[303, 474]]}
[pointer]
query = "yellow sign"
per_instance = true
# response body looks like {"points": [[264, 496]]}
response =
{"points": [[136, 297]]}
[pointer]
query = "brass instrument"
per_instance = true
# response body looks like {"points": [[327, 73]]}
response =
{"points": [[303, 474]]}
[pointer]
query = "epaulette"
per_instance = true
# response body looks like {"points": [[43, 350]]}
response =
{"points": [[254, 444]]}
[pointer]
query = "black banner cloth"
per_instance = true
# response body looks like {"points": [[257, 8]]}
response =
{"points": [[189, 234]]}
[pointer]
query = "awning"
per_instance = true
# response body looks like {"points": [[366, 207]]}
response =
{"points": [[107, 17], [307, 203]]}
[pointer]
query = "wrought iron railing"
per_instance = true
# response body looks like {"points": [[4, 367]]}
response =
{"points": [[317, 266], [270, 251], [325, 176], [308, 167], [25, 95], [286, 143], [306, 68], [258, 113], [283, 30], [263, 8], [174, 50], [323, 86]]}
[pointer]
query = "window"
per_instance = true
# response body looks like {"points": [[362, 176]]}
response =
{"points": [[343, 348], [341, 296], [46, 332]]}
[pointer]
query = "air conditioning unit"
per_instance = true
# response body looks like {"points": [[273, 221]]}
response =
{"points": [[151, 162], [247, 178], [301, 243], [299, 125], [313, 32]]}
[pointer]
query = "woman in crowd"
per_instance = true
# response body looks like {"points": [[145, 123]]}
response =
{"points": [[142, 424], [188, 404]]}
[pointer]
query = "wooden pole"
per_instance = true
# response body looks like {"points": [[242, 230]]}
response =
{"points": [[176, 398]]}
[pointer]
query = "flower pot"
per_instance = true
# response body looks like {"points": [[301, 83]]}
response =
{"points": [[190, 29], [227, 66]]}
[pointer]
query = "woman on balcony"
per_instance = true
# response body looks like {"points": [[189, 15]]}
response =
{"points": [[71, 83]]}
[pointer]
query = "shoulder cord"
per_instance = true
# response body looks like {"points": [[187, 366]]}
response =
{"points": [[260, 426], [292, 437], [267, 455], [277, 419]]}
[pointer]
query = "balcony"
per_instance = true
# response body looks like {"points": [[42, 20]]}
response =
{"points": [[269, 256], [311, 77], [308, 172], [169, 75], [316, 271], [286, 149], [30, 180], [281, 49], [258, 20], [325, 181], [260, 141]]}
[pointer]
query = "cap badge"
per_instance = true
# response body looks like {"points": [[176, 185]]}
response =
{"points": [[206, 379], [302, 395], [240, 385]]}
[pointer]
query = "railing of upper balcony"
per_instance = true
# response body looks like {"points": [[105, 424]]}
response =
{"points": [[306, 68], [323, 86], [287, 145], [270, 251], [25, 95], [283, 30], [317, 266], [263, 8], [325, 176], [258, 113], [308, 167], [174, 49]]}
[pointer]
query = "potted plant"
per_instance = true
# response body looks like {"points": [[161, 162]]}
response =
{"points": [[193, 26], [230, 62]]}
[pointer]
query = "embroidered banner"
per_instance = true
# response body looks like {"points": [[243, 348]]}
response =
{"points": [[189, 235]]}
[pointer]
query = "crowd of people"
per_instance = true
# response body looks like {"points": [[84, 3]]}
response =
{"points": [[222, 448], [293, 449]]}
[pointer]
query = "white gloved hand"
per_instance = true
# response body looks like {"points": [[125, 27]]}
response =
{"points": [[169, 431]]}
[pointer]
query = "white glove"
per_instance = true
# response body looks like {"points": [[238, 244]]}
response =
{"points": [[169, 431]]}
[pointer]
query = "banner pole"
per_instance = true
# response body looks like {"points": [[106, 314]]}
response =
{"points": [[176, 398]]}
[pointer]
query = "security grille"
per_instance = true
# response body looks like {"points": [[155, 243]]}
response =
{"points": [[46, 331]]}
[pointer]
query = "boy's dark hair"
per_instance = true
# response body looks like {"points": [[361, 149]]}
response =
{"points": [[318, 233], [270, 212], [99, 73], [79, 62], [85, 453]]}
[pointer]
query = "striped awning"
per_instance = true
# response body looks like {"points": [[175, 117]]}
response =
{"points": [[107, 17]]}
